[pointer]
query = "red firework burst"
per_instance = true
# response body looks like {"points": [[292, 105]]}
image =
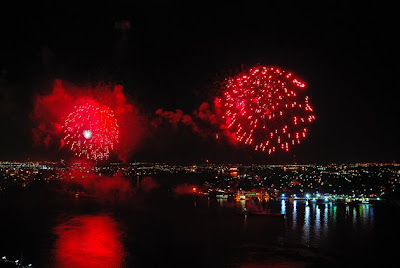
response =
{"points": [[91, 131], [265, 108]]}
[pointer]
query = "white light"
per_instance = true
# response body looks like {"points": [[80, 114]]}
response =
{"points": [[87, 134]]}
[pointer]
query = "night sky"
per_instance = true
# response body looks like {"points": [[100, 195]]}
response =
{"points": [[174, 53]]}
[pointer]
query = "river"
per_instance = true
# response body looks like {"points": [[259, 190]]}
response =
{"points": [[49, 228]]}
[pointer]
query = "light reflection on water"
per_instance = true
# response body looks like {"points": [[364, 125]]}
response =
{"points": [[294, 214], [312, 223], [306, 223], [283, 207], [316, 224], [306, 226], [89, 241]]}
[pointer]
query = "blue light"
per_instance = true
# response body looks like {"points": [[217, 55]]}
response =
{"points": [[283, 195]]}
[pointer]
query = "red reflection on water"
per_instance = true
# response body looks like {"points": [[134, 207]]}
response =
{"points": [[89, 241]]}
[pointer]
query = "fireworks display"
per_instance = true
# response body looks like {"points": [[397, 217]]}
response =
{"points": [[265, 108], [93, 121], [91, 131]]}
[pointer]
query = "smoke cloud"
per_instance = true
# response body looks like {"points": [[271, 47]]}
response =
{"points": [[185, 189], [51, 110], [203, 121]]}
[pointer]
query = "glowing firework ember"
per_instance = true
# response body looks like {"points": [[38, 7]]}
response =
{"points": [[265, 108], [91, 131], [87, 134]]}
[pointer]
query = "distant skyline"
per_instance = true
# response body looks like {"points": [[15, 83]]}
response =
{"points": [[171, 55]]}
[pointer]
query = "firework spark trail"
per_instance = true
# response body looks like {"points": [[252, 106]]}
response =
{"points": [[265, 108], [113, 125], [91, 131]]}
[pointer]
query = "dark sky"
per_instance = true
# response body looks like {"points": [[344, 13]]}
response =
{"points": [[174, 53]]}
